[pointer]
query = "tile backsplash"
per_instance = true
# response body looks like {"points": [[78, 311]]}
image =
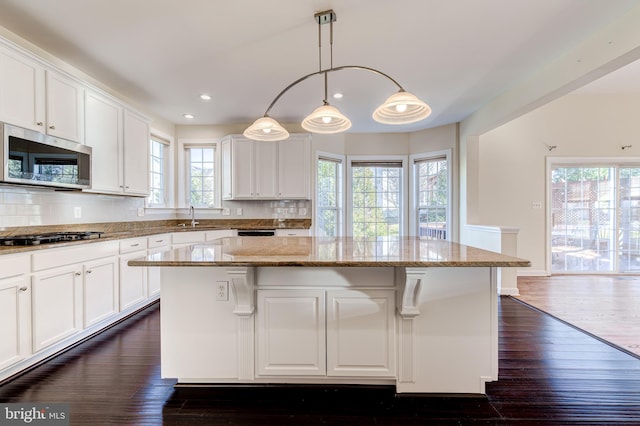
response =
{"points": [[32, 206]]}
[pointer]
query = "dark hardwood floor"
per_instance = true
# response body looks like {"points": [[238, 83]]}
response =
{"points": [[550, 373]]}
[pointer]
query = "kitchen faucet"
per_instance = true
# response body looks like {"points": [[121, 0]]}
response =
{"points": [[193, 217]]}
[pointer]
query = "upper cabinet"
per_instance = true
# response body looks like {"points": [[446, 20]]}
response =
{"points": [[21, 90], [65, 107], [39, 98], [265, 170], [103, 133], [135, 154], [120, 142]]}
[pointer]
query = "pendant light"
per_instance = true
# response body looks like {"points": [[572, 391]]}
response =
{"points": [[326, 118], [400, 108]]}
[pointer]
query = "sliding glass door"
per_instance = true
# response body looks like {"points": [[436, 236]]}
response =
{"points": [[595, 219]]}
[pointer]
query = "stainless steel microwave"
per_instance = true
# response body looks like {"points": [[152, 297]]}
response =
{"points": [[33, 158]]}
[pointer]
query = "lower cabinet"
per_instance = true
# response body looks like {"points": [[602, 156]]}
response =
{"points": [[100, 290], [133, 280], [291, 332], [361, 333], [57, 305], [15, 320], [156, 243], [342, 332]]}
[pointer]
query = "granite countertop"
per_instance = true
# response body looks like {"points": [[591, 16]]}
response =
{"points": [[123, 230], [316, 251]]}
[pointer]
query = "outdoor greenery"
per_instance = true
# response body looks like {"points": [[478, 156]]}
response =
{"points": [[201, 177]]}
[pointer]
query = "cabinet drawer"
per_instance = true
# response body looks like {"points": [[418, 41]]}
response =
{"points": [[158, 241], [133, 244], [10, 266], [292, 233], [53, 258]]}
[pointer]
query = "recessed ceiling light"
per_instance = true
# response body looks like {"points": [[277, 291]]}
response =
{"points": [[337, 95], [205, 97], [189, 116]]}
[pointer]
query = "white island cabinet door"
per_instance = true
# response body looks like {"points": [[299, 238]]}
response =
{"points": [[291, 332], [57, 305], [361, 333]]}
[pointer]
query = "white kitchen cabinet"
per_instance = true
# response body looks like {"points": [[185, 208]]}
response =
{"points": [[133, 281], [156, 243], [361, 333], [290, 329], [289, 232], [353, 336], [135, 155], [22, 89], [65, 107], [57, 305], [72, 288], [265, 163], [103, 133], [120, 142], [39, 98], [250, 171], [294, 156], [265, 170], [15, 310], [100, 290]]}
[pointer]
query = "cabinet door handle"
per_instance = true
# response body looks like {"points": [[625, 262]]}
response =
{"points": [[89, 271], [39, 123], [78, 274], [52, 127], [23, 288]]}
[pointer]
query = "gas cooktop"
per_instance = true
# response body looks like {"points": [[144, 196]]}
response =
{"points": [[46, 238]]}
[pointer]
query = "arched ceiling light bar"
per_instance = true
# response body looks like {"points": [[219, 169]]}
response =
{"points": [[400, 108]]}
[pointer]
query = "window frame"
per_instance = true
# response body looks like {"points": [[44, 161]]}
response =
{"points": [[414, 188], [183, 181], [168, 141], [404, 192], [341, 159]]}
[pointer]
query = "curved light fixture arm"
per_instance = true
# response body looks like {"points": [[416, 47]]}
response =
{"points": [[344, 67]]}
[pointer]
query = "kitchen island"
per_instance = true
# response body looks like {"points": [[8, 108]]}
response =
{"points": [[420, 314]]}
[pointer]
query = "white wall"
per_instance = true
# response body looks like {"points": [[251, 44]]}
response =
{"points": [[512, 160]]}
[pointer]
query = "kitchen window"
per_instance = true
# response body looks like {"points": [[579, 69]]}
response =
{"points": [[199, 175], [329, 195], [158, 170], [431, 195], [377, 195]]}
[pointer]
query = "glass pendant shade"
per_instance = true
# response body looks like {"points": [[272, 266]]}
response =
{"points": [[266, 129], [401, 108], [326, 119]]}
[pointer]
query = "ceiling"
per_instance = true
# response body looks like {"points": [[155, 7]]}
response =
{"points": [[457, 55]]}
